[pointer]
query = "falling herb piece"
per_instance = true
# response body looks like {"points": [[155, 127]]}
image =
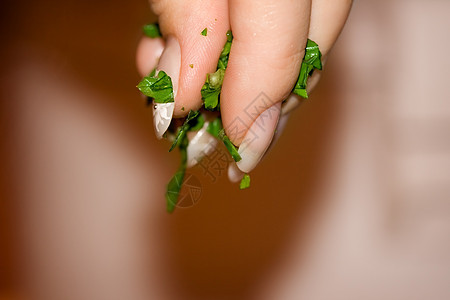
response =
{"points": [[311, 61], [229, 145], [151, 30], [159, 87], [194, 121], [175, 184], [205, 32], [245, 182]]}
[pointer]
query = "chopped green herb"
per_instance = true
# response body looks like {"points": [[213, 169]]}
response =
{"points": [[223, 58], [215, 127], [229, 145], [175, 184], [182, 108], [151, 30], [191, 66], [311, 61], [191, 121], [159, 87], [211, 89], [205, 32], [245, 182]]}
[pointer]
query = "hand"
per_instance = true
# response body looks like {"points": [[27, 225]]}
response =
{"points": [[265, 58]]}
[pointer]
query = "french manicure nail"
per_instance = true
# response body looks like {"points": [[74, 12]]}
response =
{"points": [[162, 116], [258, 138], [234, 174], [200, 145], [170, 62]]}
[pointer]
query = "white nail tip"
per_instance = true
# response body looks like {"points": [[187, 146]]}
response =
{"points": [[162, 116], [201, 145], [258, 138], [234, 174]]}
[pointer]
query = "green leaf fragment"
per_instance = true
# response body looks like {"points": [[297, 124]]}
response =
{"points": [[192, 115], [245, 182], [175, 184], [229, 145], [159, 87], [215, 127], [205, 32], [151, 30], [311, 61], [212, 88], [224, 55]]}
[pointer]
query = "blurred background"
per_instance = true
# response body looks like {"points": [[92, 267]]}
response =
{"points": [[352, 203]]}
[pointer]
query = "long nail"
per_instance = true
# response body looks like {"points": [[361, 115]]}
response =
{"points": [[170, 62], [258, 138], [234, 174], [200, 145]]}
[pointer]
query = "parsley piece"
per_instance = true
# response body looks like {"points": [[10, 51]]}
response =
{"points": [[212, 88], [175, 184], [215, 127], [229, 145], [151, 30], [245, 182], [223, 58], [311, 61], [194, 121], [205, 32], [159, 87]]}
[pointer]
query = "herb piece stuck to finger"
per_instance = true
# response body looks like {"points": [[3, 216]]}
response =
{"points": [[159, 88]]}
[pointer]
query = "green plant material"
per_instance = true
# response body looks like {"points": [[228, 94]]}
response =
{"points": [[311, 61], [229, 145], [192, 121], [159, 87], [245, 182], [205, 32], [191, 66], [151, 30], [175, 184], [215, 127], [224, 55], [212, 88]]}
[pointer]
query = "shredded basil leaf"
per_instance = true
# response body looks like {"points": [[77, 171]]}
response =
{"points": [[311, 61], [159, 87], [215, 127], [211, 89], [151, 30], [192, 121], [245, 182], [175, 184], [204, 32], [229, 145]]}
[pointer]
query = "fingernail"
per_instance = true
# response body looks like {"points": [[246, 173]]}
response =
{"points": [[234, 174], [278, 131], [162, 116], [258, 138], [200, 145], [170, 62]]}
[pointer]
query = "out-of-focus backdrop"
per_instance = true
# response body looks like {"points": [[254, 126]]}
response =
{"points": [[352, 203]]}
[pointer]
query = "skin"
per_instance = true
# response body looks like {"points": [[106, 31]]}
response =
{"points": [[269, 39]]}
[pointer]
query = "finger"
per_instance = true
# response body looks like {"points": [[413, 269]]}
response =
{"points": [[268, 46], [189, 55], [327, 20], [148, 53]]}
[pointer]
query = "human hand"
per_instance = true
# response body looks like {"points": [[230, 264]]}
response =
{"points": [[264, 63]]}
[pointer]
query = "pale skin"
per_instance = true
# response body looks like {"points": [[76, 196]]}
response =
{"points": [[268, 46]]}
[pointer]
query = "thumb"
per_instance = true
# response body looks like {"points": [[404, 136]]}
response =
{"points": [[188, 54]]}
